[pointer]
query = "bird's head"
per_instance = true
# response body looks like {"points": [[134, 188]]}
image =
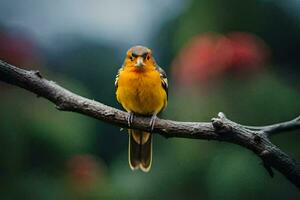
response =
{"points": [[139, 57]]}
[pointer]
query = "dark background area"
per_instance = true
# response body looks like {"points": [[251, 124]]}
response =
{"points": [[238, 57]]}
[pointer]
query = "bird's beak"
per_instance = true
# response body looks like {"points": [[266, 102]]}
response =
{"points": [[140, 62]]}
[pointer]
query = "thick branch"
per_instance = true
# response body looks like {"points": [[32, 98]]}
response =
{"points": [[221, 128]]}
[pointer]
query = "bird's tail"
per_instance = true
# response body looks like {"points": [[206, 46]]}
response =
{"points": [[140, 150]]}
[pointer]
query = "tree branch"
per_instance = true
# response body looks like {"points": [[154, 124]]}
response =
{"points": [[220, 129], [278, 128]]}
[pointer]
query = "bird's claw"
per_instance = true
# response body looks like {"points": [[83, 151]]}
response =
{"points": [[152, 122], [130, 119]]}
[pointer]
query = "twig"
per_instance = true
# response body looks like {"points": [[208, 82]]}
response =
{"points": [[221, 128], [278, 128]]}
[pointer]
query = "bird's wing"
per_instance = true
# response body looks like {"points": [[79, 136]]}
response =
{"points": [[163, 77], [117, 78]]}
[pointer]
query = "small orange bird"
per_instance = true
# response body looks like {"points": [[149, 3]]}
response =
{"points": [[142, 89]]}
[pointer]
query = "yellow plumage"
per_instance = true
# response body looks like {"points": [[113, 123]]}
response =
{"points": [[141, 88], [141, 92]]}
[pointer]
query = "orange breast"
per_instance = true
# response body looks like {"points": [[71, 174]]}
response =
{"points": [[141, 92]]}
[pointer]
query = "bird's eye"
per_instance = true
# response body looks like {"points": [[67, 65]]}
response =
{"points": [[148, 57], [131, 58]]}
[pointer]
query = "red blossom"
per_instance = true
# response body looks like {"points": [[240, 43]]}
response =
{"points": [[82, 169], [16, 49], [209, 56]]}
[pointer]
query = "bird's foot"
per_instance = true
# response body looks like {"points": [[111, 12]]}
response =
{"points": [[130, 118], [152, 122]]}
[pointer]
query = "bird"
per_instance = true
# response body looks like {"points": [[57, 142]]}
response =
{"points": [[142, 89]]}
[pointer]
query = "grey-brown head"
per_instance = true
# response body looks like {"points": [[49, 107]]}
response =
{"points": [[139, 56]]}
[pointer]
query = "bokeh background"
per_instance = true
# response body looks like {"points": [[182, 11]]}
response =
{"points": [[239, 57]]}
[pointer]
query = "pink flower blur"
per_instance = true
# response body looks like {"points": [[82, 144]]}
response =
{"points": [[209, 56]]}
